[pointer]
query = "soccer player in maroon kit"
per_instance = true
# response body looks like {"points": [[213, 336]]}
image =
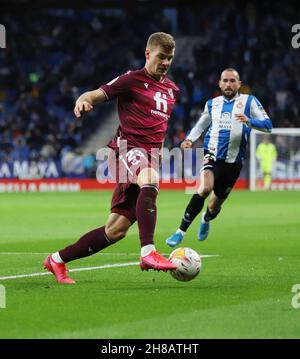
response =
{"points": [[145, 101]]}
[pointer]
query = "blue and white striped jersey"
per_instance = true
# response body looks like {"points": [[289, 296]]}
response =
{"points": [[227, 137]]}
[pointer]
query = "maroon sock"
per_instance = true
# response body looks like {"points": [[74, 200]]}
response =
{"points": [[90, 243], [146, 213]]}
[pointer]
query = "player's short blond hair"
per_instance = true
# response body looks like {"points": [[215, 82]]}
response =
{"points": [[166, 41]]}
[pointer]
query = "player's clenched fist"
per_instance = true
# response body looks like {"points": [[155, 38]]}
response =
{"points": [[186, 144], [242, 118], [82, 106]]}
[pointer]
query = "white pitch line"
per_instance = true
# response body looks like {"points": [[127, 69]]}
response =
{"points": [[87, 268], [71, 270]]}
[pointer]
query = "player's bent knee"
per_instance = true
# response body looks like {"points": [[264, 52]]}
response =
{"points": [[114, 233], [204, 191]]}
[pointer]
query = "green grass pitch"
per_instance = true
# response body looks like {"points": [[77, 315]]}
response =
{"points": [[243, 293]]}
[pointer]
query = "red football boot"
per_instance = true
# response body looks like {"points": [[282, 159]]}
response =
{"points": [[58, 269], [156, 261]]}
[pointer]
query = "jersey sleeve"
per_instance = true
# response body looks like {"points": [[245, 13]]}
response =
{"points": [[118, 86], [200, 126], [259, 118]]}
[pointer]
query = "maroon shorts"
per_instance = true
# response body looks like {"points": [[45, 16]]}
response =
{"points": [[125, 169], [124, 200]]}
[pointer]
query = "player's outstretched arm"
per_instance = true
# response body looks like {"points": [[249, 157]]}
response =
{"points": [[200, 126], [87, 100]]}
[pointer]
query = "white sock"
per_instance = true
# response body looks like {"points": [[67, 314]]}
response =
{"points": [[56, 257], [147, 249], [181, 231], [203, 220]]}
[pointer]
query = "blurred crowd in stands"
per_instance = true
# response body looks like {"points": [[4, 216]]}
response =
{"points": [[53, 55]]}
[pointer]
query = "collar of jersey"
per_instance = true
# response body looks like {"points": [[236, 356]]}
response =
{"points": [[233, 99], [153, 78]]}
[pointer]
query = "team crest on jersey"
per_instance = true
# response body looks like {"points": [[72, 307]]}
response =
{"points": [[146, 85], [171, 93], [226, 116], [239, 105]]}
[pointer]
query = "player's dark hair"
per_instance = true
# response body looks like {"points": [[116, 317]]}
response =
{"points": [[166, 41]]}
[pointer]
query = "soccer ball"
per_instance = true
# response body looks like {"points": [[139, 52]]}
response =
{"points": [[188, 262]]}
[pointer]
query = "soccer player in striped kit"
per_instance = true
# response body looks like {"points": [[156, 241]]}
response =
{"points": [[229, 119], [146, 98]]}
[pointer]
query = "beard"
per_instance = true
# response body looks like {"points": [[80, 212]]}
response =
{"points": [[229, 93]]}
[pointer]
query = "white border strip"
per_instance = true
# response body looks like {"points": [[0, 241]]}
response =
{"points": [[284, 131]]}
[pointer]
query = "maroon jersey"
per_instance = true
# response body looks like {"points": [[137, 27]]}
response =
{"points": [[144, 107]]}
